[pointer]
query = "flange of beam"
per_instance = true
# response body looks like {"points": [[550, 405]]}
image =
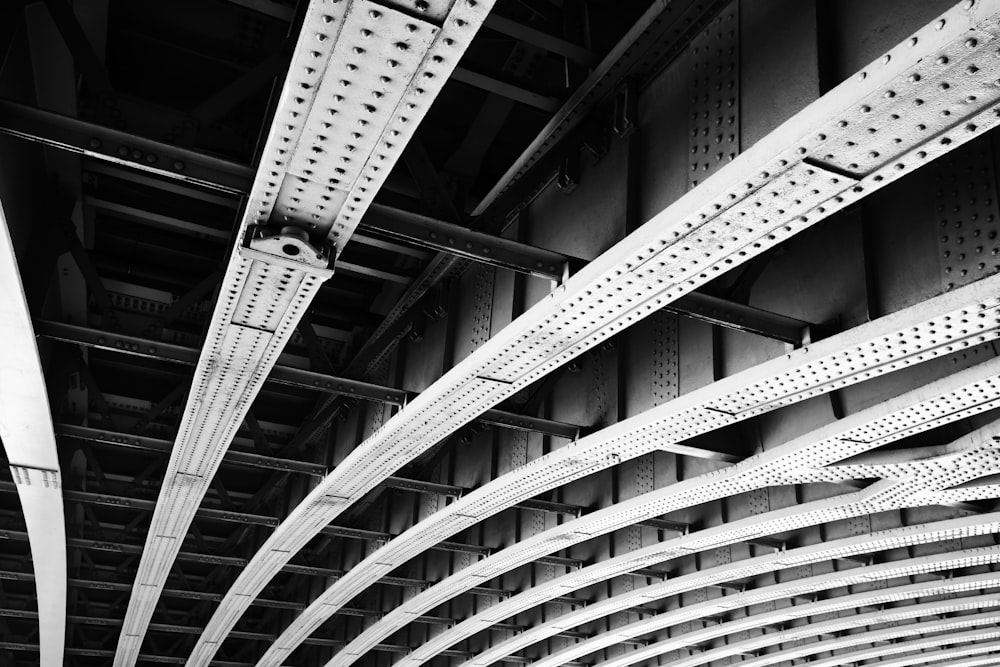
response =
{"points": [[30, 444], [968, 392]]}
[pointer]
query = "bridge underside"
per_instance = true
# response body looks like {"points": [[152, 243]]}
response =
{"points": [[462, 332]]}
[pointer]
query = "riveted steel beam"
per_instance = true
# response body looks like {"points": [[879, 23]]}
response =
{"points": [[29, 444]]}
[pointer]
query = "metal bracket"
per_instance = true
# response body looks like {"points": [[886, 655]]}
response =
{"points": [[626, 112]]}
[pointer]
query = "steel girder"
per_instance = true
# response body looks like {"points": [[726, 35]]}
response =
{"points": [[361, 78], [288, 375], [964, 393], [727, 220], [28, 439], [881, 497]]}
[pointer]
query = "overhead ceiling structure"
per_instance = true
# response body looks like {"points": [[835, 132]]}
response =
{"points": [[30, 446], [481, 332]]}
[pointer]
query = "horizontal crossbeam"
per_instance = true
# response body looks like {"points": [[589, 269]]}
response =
{"points": [[286, 375]]}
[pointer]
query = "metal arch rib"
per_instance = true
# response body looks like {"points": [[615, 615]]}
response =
{"points": [[805, 586], [881, 652], [777, 521], [29, 441], [853, 505], [673, 254], [658, 428], [947, 658], [937, 658], [976, 389], [861, 620], [314, 182]]}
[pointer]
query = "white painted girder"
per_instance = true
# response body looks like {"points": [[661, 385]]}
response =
{"points": [[914, 491], [860, 620], [866, 574], [917, 489], [955, 657], [967, 392], [363, 75], [727, 220], [880, 652], [361, 78], [30, 445]]}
